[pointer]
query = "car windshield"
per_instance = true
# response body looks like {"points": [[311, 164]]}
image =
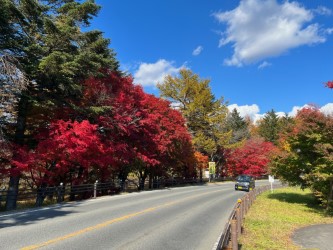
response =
{"points": [[243, 178]]}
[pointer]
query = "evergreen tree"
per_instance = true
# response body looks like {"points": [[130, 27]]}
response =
{"points": [[268, 127], [286, 123], [47, 39], [238, 125]]}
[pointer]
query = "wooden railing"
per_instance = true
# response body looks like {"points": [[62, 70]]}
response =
{"points": [[60, 193], [234, 227]]}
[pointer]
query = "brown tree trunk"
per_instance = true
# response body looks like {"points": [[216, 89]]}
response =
{"points": [[151, 181], [12, 193], [200, 175], [11, 201]]}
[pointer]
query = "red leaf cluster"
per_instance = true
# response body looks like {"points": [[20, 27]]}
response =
{"points": [[329, 84], [252, 158], [66, 151], [130, 128]]}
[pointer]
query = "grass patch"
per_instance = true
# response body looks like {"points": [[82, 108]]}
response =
{"points": [[274, 217]]}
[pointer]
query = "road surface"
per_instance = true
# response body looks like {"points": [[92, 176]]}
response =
{"points": [[177, 218]]}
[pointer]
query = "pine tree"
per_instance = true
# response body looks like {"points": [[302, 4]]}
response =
{"points": [[47, 39], [268, 127], [238, 125]]}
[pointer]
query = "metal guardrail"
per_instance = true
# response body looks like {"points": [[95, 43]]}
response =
{"points": [[234, 227]]}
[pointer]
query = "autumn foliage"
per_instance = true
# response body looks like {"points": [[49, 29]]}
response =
{"points": [[305, 156], [251, 158], [201, 162], [329, 84], [67, 152], [123, 130]]}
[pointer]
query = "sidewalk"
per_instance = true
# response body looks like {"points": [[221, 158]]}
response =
{"points": [[315, 237]]}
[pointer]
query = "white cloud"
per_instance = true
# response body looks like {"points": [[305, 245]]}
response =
{"points": [[176, 105], [322, 10], [327, 109], [280, 114], [329, 31], [264, 65], [259, 29], [251, 111], [295, 109], [149, 74], [197, 51]]}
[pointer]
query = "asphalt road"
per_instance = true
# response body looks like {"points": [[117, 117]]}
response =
{"points": [[178, 218]]}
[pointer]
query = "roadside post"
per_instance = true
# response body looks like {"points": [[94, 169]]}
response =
{"points": [[95, 189], [60, 191], [271, 181]]}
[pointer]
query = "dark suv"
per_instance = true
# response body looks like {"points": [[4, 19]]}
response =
{"points": [[244, 182]]}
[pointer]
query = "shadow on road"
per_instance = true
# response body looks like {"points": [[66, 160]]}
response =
{"points": [[32, 216]]}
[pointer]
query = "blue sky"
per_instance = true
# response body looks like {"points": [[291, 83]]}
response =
{"points": [[259, 54]]}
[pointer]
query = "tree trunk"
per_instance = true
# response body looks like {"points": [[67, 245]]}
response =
{"points": [[156, 183], [72, 192], [123, 177], [150, 181], [200, 175], [11, 201], [41, 195]]}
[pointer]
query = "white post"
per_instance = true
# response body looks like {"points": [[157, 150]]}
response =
{"points": [[95, 189], [271, 180]]}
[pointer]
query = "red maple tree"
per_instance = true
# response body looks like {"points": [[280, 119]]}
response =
{"points": [[67, 152], [252, 158], [125, 130], [144, 131]]}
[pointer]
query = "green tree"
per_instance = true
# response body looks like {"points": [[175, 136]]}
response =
{"points": [[305, 156], [268, 127], [192, 95], [47, 39], [204, 114], [238, 125]]}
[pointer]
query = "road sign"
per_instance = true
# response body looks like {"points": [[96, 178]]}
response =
{"points": [[271, 178], [212, 170], [212, 166]]}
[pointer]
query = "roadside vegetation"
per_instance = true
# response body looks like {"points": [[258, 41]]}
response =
{"points": [[69, 115], [274, 217]]}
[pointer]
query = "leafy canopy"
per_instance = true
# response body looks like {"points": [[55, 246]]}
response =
{"points": [[204, 114], [305, 156]]}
